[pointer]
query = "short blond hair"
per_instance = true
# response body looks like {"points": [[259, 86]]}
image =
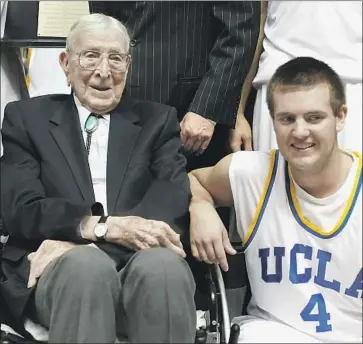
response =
{"points": [[306, 72]]}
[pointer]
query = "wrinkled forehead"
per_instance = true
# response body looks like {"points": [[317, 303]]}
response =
{"points": [[105, 40]]}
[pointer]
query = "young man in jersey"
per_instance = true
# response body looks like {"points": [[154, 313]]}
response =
{"points": [[299, 215]]}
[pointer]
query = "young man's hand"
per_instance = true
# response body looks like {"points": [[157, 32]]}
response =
{"points": [[208, 236]]}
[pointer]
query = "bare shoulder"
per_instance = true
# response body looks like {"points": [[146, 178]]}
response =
{"points": [[249, 164]]}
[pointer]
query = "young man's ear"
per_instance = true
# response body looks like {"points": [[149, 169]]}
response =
{"points": [[65, 64], [340, 117]]}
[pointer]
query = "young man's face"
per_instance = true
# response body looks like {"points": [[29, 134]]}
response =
{"points": [[306, 127]]}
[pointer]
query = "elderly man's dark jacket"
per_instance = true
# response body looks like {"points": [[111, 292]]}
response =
{"points": [[46, 186]]}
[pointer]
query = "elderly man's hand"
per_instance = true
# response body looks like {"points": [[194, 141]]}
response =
{"points": [[208, 237], [241, 135], [196, 132], [138, 233], [46, 253]]}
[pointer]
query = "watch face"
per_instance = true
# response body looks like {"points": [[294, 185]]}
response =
{"points": [[100, 230]]}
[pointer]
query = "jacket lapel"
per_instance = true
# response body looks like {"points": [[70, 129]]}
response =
{"points": [[66, 131], [123, 135]]}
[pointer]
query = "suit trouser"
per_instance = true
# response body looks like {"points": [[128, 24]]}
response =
{"points": [[81, 298]]}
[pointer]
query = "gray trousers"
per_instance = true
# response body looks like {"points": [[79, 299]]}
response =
{"points": [[81, 298]]}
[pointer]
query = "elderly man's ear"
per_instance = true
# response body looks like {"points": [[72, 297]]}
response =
{"points": [[65, 64]]}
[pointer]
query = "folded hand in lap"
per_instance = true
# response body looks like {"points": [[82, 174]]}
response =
{"points": [[138, 233], [46, 253]]}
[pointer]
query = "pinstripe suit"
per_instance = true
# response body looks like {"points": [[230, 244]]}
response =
{"points": [[192, 55]]}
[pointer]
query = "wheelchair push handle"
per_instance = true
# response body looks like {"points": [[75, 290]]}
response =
{"points": [[234, 334]]}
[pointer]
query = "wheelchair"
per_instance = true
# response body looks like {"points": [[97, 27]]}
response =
{"points": [[216, 327]]}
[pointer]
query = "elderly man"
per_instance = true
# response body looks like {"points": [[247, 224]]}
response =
{"points": [[68, 158], [299, 215]]}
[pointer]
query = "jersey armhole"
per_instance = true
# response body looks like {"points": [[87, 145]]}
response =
{"points": [[265, 195]]}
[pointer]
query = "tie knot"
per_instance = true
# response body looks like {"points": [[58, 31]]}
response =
{"points": [[92, 122]]}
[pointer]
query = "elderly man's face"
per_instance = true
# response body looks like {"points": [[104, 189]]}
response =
{"points": [[96, 68]]}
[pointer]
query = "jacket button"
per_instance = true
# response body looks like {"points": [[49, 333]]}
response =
{"points": [[133, 42]]}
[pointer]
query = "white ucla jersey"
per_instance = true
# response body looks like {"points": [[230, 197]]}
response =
{"points": [[304, 255]]}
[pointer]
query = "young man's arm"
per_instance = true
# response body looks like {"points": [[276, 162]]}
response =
{"points": [[242, 133], [208, 237]]}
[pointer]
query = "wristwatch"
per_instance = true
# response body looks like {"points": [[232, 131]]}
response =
{"points": [[101, 228]]}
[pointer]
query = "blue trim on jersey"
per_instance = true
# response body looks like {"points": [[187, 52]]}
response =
{"points": [[265, 201], [307, 228]]}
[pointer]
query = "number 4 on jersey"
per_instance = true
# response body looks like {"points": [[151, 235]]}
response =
{"points": [[321, 316]]}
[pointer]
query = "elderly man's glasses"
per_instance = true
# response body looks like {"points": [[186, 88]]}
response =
{"points": [[117, 62]]}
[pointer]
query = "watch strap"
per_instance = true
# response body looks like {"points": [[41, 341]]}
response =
{"points": [[103, 219]]}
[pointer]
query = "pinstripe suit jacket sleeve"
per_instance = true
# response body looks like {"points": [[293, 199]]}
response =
{"points": [[218, 95]]}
